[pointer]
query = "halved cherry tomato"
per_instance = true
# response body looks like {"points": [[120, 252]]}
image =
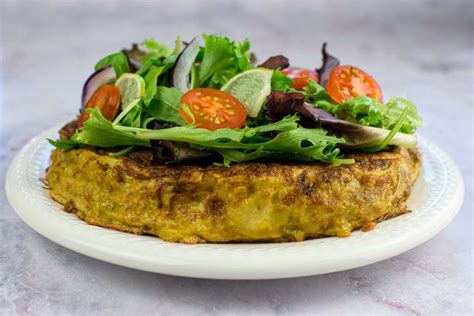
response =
{"points": [[213, 109], [107, 99], [347, 82], [300, 76]]}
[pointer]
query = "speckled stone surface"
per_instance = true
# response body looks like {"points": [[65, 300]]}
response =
{"points": [[422, 50]]}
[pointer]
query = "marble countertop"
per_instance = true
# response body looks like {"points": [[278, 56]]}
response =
{"points": [[420, 50]]}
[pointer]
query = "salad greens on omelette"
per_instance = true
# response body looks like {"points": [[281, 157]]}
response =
{"points": [[156, 95]]}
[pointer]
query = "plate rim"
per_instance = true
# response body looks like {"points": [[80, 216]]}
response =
{"points": [[171, 260]]}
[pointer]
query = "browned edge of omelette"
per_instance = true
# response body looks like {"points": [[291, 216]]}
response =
{"points": [[246, 202]]}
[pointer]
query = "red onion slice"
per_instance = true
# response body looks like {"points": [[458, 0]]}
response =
{"points": [[183, 65], [98, 78]]}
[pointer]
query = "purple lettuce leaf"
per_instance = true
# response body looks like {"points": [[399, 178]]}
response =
{"points": [[329, 63]]}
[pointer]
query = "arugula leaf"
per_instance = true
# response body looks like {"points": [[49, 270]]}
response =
{"points": [[371, 112], [118, 60], [130, 107], [150, 53], [155, 67], [98, 131], [149, 63], [133, 117], [122, 152], [365, 110], [221, 138], [299, 144], [392, 133], [392, 111], [151, 82], [165, 105], [221, 60], [64, 143], [286, 124], [317, 95], [233, 155], [178, 45], [158, 49], [280, 82], [291, 139], [313, 144]]}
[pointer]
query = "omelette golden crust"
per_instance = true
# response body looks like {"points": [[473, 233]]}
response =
{"points": [[251, 202]]}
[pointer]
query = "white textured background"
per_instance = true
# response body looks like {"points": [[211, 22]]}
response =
{"points": [[422, 50]]}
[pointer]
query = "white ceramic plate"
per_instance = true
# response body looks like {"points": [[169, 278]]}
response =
{"points": [[436, 198]]}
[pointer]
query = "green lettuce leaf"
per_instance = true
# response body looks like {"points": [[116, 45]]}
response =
{"points": [[221, 60], [150, 53], [98, 131], [280, 82], [157, 67], [134, 117], [370, 112], [317, 95], [291, 139], [118, 60], [151, 82], [365, 110], [165, 105]]}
